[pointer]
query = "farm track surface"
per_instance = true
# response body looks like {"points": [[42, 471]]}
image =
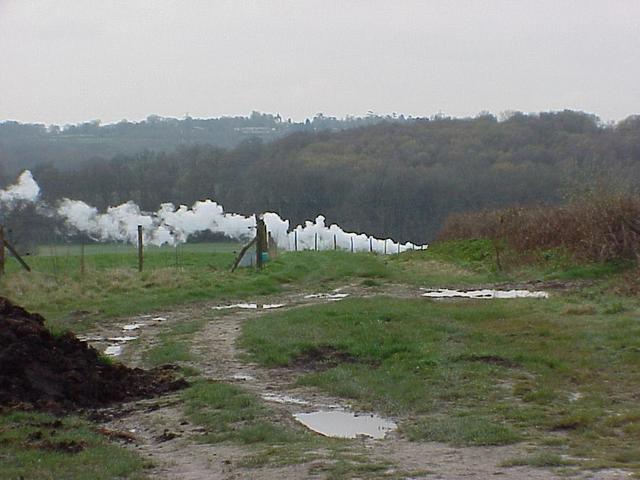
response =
{"points": [[161, 433]]}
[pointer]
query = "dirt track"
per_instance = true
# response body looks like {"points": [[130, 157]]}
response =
{"points": [[164, 436]]}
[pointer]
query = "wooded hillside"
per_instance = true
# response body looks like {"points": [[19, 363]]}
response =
{"points": [[399, 180]]}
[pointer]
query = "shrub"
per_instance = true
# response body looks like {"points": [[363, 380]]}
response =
{"points": [[594, 228]]}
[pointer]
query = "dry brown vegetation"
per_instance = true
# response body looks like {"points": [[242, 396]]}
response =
{"points": [[594, 228]]}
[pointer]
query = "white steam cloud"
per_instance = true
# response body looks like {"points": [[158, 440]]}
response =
{"points": [[172, 226], [24, 190]]}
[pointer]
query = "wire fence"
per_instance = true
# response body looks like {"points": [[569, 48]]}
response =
{"points": [[59, 255]]}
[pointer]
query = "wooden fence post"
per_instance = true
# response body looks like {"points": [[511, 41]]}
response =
{"points": [[315, 240], [1, 250], [15, 253], [261, 240], [370, 244], [295, 240], [351, 244], [241, 254], [82, 266], [140, 249], [335, 242]]}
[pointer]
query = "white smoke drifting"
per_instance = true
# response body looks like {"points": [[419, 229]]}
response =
{"points": [[25, 189], [172, 226]]}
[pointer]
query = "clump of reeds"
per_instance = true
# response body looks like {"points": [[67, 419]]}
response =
{"points": [[593, 228]]}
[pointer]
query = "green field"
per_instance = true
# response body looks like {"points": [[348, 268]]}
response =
{"points": [[475, 372], [560, 374], [111, 284]]}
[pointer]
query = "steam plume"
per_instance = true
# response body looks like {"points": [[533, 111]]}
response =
{"points": [[172, 226], [25, 189]]}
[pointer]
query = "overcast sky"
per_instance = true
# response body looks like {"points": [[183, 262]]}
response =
{"points": [[68, 61]]}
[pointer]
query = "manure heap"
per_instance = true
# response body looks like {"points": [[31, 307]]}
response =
{"points": [[61, 372]]}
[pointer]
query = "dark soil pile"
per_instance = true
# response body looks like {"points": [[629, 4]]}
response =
{"points": [[61, 372]]}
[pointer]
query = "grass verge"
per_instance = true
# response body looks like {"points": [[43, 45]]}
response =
{"points": [[37, 446], [472, 372]]}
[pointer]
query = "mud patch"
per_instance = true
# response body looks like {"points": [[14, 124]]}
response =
{"points": [[61, 372], [322, 357], [490, 359], [64, 446], [121, 435], [342, 424]]}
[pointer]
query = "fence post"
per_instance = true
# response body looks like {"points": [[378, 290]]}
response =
{"points": [[140, 251], [261, 240], [82, 266], [316, 241], [295, 240], [335, 243], [15, 254], [1, 250], [385, 246], [370, 244], [398, 246]]}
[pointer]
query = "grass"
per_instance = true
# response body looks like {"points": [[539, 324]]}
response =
{"points": [[464, 430], [472, 372], [111, 285], [173, 343], [230, 414], [37, 446], [463, 372], [542, 459]]}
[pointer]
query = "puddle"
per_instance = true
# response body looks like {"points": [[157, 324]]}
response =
{"points": [[90, 338], [274, 397], [265, 306], [116, 349], [133, 326], [113, 350], [486, 294], [121, 339], [328, 296], [159, 319], [341, 424], [575, 396], [243, 377]]}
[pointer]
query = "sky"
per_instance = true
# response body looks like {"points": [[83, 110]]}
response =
{"points": [[69, 61]]}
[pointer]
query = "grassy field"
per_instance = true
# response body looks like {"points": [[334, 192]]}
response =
{"points": [[112, 286], [474, 372], [561, 374], [38, 446]]}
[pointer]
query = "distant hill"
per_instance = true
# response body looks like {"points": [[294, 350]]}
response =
{"points": [[71, 146], [390, 179]]}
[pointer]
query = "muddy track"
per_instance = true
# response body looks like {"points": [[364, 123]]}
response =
{"points": [[163, 435]]}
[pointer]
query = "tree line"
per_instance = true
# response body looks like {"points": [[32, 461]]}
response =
{"points": [[71, 146], [390, 179]]}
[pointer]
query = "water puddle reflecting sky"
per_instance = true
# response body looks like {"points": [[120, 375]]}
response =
{"points": [[277, 398], [341, 424], [250, 306], [483, 294]]}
